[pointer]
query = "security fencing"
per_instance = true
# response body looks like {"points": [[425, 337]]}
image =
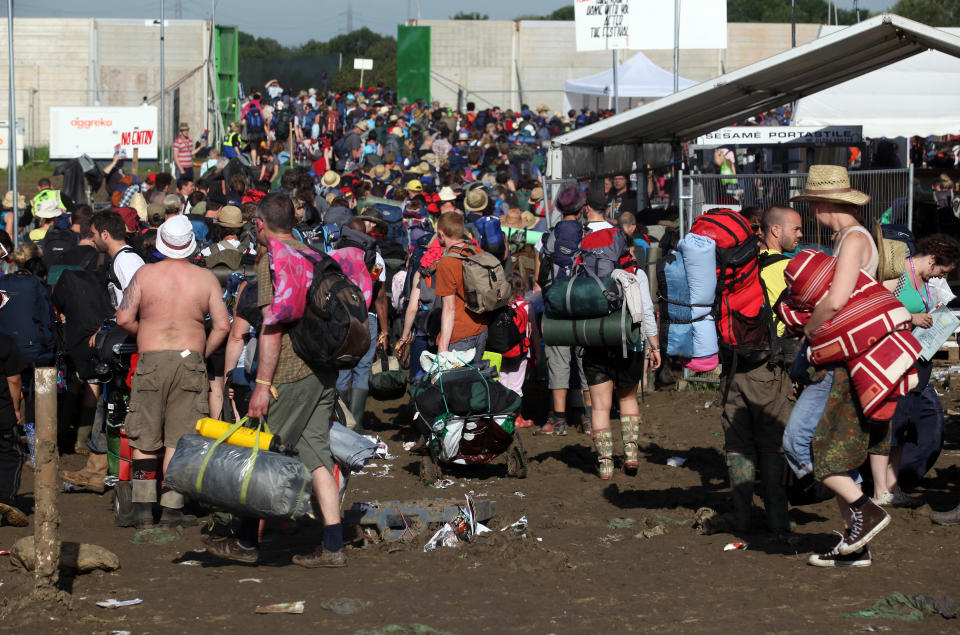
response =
{"points": [[891, 197]]}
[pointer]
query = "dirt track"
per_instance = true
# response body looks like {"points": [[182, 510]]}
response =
{"points": [[584, 576]]}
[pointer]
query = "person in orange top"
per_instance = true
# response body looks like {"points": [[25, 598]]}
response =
{"points": [[460, 329]]}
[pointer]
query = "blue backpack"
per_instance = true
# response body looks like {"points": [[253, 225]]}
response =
{"points": [[561, 247], [26, 315], [254, 119], [491, 236]]}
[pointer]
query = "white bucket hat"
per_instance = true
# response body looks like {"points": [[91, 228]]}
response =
{"points": [[47, 208], [175, 238]]}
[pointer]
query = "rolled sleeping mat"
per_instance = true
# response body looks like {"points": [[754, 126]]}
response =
{"points": [[530, 237], [605, 331]]}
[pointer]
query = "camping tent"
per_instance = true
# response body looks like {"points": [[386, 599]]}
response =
{"points": [[637, 77], [915, 96]]}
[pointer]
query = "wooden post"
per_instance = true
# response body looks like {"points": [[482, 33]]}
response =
{"points": [[136, 161], [46, 536], [291, 145]]}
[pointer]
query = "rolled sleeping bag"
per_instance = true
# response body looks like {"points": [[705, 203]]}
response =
{"points": [[583, 297], [699, 255], [675, 308], [605, 331]]}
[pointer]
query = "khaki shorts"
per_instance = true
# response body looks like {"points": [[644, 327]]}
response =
{"points": [[758, 407], [168, 395]]}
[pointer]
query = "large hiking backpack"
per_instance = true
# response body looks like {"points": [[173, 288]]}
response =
{"points": [[334, 331], [485, 285], [281, 124], [603, 250], [254, 121], [561, 248], [743, 316], [364, 242], [491, 235], [26, 316], [522, 321]]}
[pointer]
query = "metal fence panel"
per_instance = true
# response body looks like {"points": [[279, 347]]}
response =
{"points": [[889, 190]]}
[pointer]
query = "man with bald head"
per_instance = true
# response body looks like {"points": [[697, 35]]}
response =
{"points": [[782, 230], [760, 394]]}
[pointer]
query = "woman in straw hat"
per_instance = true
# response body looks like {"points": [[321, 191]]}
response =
{"points": [[835, 205]]}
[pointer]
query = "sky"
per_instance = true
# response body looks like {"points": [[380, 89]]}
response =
{"points": [[301, 20]]}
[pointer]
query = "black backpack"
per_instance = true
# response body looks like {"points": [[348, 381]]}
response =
{"points": [[55, 242], [333, 332], [281, 124], [364, 242], [502, 333]]}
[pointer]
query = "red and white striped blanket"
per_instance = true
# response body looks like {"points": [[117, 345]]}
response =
{"points": [[870, 333]]}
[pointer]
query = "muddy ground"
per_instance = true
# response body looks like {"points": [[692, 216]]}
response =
{"points": [[572, 573]]}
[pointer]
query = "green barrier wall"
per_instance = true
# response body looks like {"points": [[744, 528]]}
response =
{"points": [[413, 62]]}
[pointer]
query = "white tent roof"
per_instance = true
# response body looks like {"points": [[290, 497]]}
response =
{"points": [[611, 144], [915, 96], [637, 77]]}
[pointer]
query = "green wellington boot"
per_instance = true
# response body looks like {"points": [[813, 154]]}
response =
{"points": [[742, 471]]}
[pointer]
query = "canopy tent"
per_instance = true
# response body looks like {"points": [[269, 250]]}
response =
{"points": [[637, 77], [911, 97], [616, 144]]}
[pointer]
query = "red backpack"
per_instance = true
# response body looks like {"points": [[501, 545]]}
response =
{"points": [[522, 320], [741, 309]]}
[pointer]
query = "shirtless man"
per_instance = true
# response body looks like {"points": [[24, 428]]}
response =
{"points": [[164, 307]]}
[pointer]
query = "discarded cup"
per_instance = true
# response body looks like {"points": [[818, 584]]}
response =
{"points": [[733, 546]]}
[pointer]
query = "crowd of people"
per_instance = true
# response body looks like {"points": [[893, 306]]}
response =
{"points": [[403, 196]]}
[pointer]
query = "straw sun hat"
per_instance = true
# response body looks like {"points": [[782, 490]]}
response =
{"points": [[831, 184]]}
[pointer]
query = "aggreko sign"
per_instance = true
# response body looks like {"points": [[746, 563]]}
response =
{"points": [[97, 131]]}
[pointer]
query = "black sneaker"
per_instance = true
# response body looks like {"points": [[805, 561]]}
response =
{"points": [[867, 521], [833, 558]]}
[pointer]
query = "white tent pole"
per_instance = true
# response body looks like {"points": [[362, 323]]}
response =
{"points": [[12, 124], [616, 85], [676, 45]]}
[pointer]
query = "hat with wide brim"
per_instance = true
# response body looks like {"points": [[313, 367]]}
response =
{"points": [[476, 200], [47, 208], [529, 219], [373, 215], [831, 184], [175, 238], [8, 200], [230, 216], [330, 179]]}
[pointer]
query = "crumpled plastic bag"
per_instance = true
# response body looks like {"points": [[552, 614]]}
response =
{"points": [[916, 608], [446, 360]]}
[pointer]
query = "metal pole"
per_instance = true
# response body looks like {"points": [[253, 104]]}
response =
{"points": [[12, 124], [676, 45], [616, 84], [163, 100], [856, 7], [793, 23], [909, 194], [46, 534]]}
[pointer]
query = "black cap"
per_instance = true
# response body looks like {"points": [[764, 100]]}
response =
{"points": [[597, 200]]}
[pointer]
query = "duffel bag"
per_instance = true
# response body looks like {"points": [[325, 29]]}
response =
{"points": [[612, 330], [462, 392], [245, 481], [387, 380], [585, 296]]}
